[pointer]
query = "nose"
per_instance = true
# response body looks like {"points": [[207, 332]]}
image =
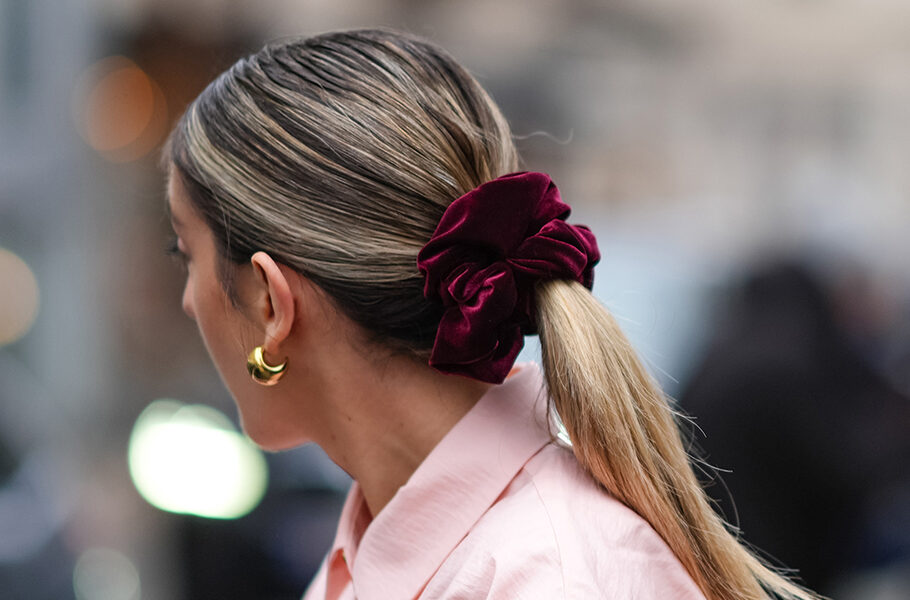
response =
{"points": [[187, 302]]}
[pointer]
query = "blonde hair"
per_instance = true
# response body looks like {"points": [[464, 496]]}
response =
{"points": [[338, 155], [624, 432]]}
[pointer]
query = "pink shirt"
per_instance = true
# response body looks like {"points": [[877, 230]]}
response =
{"points": [[499, 510]]}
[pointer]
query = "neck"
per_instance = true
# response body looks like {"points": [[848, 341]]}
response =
{"points": [[384, 421]]}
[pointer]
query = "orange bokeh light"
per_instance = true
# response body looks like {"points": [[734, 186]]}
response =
{"points": [[120, 111]]}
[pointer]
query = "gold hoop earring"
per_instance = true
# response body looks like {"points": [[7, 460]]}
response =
{"points": [[262, 372]]}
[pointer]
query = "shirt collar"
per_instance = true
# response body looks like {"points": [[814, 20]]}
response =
{"points": [[452, 488]]}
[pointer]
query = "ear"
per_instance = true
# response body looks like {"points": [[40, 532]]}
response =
{"points": [[277, 310]]}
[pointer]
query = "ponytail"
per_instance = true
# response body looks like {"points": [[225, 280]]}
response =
{"points": [[624, 433]]}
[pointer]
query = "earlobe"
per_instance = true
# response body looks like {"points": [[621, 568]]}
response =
{"points": [[279, 313]]}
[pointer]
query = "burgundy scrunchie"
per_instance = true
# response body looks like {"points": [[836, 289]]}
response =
{"points": [[490, 247]]}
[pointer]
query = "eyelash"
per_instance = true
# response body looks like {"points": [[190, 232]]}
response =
{"points": [[173, 250]]}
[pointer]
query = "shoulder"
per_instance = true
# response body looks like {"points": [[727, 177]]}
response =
{"points": [[554, 533], [602, 540]]}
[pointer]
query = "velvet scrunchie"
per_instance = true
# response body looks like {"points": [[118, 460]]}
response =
{"points": [[490, 248]]}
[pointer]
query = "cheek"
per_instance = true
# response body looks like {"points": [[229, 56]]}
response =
{"points": [[219, 325]]}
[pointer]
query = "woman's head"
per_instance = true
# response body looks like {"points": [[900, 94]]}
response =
{"points": [[337, 155]]}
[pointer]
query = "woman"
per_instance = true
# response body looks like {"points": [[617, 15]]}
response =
{"points": [[348, 207]]}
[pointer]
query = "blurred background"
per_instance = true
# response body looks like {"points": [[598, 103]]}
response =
{"points": [[744, 166]]}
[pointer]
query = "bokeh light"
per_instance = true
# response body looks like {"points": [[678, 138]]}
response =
{"points": [[18, 297], [189, 459], [119, 110], [105, 574]]}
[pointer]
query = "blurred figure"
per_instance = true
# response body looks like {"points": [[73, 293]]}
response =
{"points": [[36, 558], [815, 440]]}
